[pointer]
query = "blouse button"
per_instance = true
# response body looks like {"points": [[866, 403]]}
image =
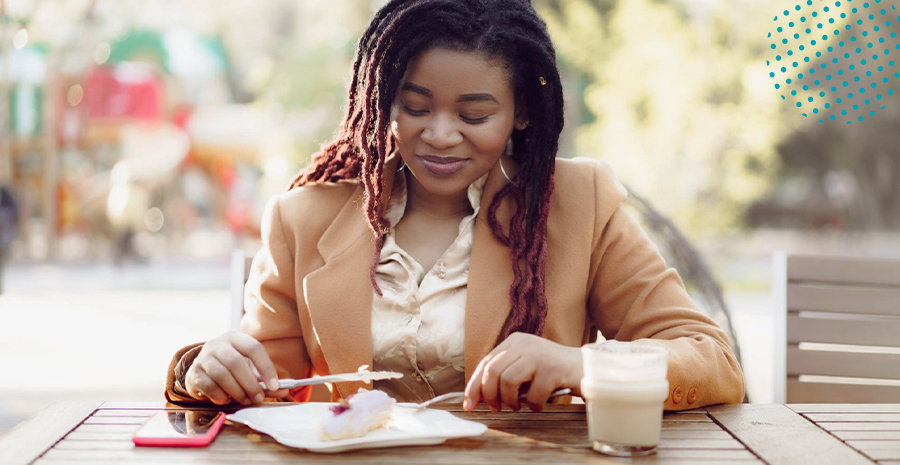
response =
{"points": [[418, 377]]}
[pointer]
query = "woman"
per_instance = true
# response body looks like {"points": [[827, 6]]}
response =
{"points": [[479, 261]]}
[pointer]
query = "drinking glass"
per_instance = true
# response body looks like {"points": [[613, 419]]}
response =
{"points": [[624, 386]]}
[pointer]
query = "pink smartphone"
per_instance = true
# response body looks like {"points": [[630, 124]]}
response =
{"points": [[179, 429]]}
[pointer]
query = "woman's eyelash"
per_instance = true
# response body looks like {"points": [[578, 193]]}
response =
{"points": [[473, 120], [414, 112], [464, 118]]}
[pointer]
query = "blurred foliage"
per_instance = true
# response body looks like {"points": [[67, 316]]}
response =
{"points": [[680, 99]]}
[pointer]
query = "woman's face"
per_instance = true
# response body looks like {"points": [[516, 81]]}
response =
{"points": [[452, 117]]}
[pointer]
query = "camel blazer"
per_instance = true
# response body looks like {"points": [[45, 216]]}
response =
{"points": [[309, 297]]}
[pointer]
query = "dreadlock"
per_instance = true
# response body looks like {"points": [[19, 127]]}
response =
{"points": [[506, 29]]}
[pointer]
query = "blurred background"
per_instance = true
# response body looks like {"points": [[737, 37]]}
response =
{"points": [[140, 140]]}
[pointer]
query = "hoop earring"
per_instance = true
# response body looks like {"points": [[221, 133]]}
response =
{"points": [[503, 170], [404, 165]]}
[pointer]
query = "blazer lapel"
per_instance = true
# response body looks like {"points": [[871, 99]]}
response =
{"points": [[339, 294], [490, 275]]}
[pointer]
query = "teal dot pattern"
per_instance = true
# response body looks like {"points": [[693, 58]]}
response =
{"points": [[846, 42]]}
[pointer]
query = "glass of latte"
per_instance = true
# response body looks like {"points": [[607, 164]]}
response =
{"points": [[624, 386]]}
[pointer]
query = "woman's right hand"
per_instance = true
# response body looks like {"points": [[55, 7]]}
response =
{"points": [[222, 372]]}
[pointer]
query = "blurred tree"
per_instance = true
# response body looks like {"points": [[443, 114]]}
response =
{"points": [[852, 172], [677, 100]]}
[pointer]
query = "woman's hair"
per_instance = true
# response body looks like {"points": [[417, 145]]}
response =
{"points": [[509, 30]]}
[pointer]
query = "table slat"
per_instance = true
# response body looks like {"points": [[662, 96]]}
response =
{"points": [[779, 436], [867, 435], [712, 444], [81, 436], [854, 417], [95, 420], [689, 434], [690, 426], [845, 408], [868, 445], [107, 428], [859, 426], [686, 416], [883, 454], [27, 441], [123, 413]]}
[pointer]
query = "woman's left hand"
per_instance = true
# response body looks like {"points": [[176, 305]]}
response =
{"points": [[524, 358]]}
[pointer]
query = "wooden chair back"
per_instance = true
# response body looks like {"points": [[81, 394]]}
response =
{"points": [[837, 329], [240, 272]]}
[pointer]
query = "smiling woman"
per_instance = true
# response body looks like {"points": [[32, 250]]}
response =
{"points": [[479, 261]]}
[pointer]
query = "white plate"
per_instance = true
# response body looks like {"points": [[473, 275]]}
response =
{"points": [[298, 426]]}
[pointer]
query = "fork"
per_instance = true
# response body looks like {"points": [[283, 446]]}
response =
{"points": [[454, 397]]}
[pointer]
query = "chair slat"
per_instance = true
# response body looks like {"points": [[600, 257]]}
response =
{"points": [[850, 364], [840, 393], [847, 270], [872, 301], [843, 331]]}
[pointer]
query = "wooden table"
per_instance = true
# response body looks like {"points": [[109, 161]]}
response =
{"points": [[100, 433]]}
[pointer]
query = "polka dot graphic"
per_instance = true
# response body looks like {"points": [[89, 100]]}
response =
{"points": [[836, 61]]}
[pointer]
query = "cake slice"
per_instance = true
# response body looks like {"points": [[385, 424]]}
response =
{"points": [[356, 415]]}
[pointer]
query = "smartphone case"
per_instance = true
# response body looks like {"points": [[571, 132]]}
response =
{"points": [[202, 440]]}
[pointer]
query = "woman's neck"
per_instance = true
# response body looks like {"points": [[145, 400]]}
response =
{"points": [[420, 201]]}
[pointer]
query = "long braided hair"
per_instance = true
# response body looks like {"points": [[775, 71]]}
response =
{"points": [[509, 30]]}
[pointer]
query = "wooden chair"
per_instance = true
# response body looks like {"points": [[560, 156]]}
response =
{"points": [[837, 329], [240, 272]]}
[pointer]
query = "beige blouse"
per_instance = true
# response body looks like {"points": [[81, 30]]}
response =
{"points": [[418, 324]]}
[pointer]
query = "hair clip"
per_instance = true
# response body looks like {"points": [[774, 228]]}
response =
{"points": [[543, 81]]}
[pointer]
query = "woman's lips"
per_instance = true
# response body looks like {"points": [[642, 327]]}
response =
{"points": [[442, 166]]}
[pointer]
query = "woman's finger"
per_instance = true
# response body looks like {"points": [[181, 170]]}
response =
{"points": [[540, 390], [201, 387], [240, 370], [193, 381], [252, 349], [490, 378], [473, 389], [222, 376], [518, 372], [279, 394]]}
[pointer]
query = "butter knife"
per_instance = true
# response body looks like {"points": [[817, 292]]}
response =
{"points": [[363, 375]]}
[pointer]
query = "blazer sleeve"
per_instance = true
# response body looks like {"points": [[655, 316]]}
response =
{"points": [[270, 305], [270, 302], [633, 296]]}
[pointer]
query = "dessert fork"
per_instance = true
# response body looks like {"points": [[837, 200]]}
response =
{"points": [[455, 397]]}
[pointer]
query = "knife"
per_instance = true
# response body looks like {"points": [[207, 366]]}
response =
{"points": [[363, 375]]}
